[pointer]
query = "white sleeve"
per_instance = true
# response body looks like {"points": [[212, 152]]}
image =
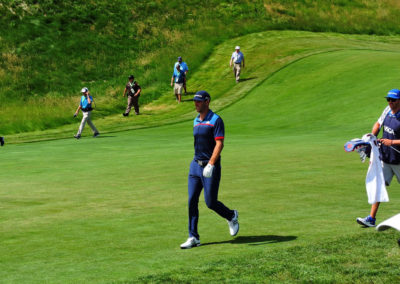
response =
{"points": [[383, 115]]}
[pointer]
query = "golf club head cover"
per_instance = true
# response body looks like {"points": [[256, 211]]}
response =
{"points": [[362, 147], [355, 143]]}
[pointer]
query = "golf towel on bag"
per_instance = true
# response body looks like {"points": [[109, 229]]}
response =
{"points": [[375, 182]]}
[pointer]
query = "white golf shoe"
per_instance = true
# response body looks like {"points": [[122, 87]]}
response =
{"points": [[190, 243], [234, 224], [367, 221]]}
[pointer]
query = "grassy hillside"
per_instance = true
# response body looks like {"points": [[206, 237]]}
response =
{"points": [[50, 49], [282, 49], [113, 209]]}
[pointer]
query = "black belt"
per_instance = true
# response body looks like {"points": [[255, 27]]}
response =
{"points": [[238, 62], [202, 163]]}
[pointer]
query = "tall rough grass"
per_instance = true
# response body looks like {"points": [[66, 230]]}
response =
{"points": [[50, 49]]}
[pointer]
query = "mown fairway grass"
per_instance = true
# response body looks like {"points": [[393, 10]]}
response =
{"points": [[113, 209]]}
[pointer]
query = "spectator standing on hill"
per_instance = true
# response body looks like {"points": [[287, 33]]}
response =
{"points": [[205, 169], [2, 141], [184, 68], [389, 121], [178, 77], [86, 106], [133, 90], [237, 59]]}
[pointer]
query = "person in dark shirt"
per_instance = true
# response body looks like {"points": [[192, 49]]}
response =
{"points": [[205, 169], [389, 122], [133, 90]]}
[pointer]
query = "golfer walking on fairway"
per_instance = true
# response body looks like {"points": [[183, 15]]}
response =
{"points": [[86, 106], [205, 169], [389, 121], [237, 59]]}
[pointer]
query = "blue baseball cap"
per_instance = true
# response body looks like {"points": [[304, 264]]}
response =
{"points": [[180, 58], [394, 94], [202, 96]]}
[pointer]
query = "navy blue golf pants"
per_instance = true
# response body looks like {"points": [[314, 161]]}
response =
{"points": [[196, 183]]}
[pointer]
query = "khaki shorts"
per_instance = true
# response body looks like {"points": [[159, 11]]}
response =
{"points": [[178, 88], [389, 171]]}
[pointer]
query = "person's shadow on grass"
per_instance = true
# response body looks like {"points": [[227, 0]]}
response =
{"points": [[247, 79], [105, 136], [255, 240]]}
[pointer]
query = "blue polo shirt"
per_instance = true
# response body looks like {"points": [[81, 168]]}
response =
{"points": [[183, 65], [391, 130], [84, 102], [205, 133]]}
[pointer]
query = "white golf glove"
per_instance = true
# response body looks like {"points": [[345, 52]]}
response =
{"points": [[208, 170]]}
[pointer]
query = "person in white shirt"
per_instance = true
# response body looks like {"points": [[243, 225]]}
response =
{"points": [[237, 60]]}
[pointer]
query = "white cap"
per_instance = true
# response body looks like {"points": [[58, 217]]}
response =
{"points": [[84, 90], [237, 47]]}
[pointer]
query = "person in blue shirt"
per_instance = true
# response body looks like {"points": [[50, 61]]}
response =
{"points": [[389, 122], [86, 106], [184, 68], [178, 77], [205, 169], [2, 141], [237, 59]]}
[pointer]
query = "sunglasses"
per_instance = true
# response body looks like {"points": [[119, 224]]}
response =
{"points": [[391, 100]]}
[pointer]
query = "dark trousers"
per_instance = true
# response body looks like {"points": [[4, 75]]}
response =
{"points": [[133, 101], [196, 182]]}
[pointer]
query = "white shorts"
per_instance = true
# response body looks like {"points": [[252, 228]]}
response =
{"points": [[389, 171], [178, 88]]}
